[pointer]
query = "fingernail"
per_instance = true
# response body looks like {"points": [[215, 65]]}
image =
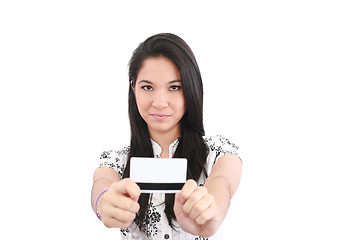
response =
{"points": [[178, 197]]}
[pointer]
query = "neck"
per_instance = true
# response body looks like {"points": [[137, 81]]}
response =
{"points": [[164, 139]]}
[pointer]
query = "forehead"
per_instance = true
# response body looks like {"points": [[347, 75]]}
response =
{"points": [[159, 69]]}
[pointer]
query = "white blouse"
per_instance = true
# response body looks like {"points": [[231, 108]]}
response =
{"points": [[158, 226]]}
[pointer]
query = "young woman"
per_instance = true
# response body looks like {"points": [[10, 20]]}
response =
{"points": [[166, 119]]}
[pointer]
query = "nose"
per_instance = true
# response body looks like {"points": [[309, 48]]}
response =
{"points": [[160, 100]]}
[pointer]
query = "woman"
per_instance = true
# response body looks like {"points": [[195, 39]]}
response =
{"points": [[166, 119]]}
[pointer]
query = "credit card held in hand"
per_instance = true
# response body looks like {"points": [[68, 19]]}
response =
{"points": [[158, 175]]}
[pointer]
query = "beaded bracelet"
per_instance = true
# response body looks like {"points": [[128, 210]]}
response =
{"points": [[97, 202]]}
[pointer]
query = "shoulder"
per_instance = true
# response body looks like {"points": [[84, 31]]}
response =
{"points": [[221, 145], [117, 154], [115, 159]]}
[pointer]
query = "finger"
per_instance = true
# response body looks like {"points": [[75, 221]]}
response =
{"points": [[207, 215], [178, 206], [189, 186], [123, 215], [201, 206], [126, 204], [110, 213], [194, 197], [114, 199], [177, 199], [129, 188], [114, 223]]}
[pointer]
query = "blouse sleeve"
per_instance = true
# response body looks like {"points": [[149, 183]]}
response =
{"points": [[115, 160], [218, 147]]}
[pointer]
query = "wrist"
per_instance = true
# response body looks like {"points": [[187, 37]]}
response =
{"points": [[98, 201]]}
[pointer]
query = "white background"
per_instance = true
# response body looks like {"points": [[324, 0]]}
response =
{"points": [[281, 80]]}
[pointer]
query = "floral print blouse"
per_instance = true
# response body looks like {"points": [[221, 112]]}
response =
{"points": [[157, 226]]}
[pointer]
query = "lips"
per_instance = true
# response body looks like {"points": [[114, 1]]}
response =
{"points": [[160, 116]]}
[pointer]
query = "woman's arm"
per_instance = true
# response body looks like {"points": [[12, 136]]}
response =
{"points": [[223, 181], [118, 206], [201, 210], [103, 178]]}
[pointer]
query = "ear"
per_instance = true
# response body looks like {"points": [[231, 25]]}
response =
{"points": [[132, 85]]}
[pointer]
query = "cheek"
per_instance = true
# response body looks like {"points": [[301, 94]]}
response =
{"points": [[182, 105], [141, 103]]}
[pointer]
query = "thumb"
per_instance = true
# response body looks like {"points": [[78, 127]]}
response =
{"points": [[178, 204], [129, 188]]}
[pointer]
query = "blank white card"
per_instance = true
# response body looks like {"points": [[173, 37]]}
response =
{"points": [[166, 175]]}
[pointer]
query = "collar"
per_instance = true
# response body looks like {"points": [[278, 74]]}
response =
{"points": [[158, 150]]}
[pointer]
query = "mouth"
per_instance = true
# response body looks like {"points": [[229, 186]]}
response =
{"points": [[160, 116]]}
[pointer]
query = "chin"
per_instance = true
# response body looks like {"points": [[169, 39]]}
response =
{"points": [[162, 128]]}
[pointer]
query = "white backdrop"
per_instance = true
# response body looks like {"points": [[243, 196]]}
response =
{"points": [[280, 78]]}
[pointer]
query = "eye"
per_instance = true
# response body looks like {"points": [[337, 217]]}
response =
{"points": [[147, 88], [175, 88]]}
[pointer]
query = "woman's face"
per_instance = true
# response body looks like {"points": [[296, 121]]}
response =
{"points": [[159, 96]]}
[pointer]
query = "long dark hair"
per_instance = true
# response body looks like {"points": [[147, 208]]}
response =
{"points": [[191, 144]]}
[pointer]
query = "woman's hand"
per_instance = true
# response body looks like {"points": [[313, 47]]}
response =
{"points": [[119, 205], [196, 210]]}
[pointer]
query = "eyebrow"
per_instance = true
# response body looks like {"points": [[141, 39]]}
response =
{"points": [[145, 81], [174, 81], [149, 82]]}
